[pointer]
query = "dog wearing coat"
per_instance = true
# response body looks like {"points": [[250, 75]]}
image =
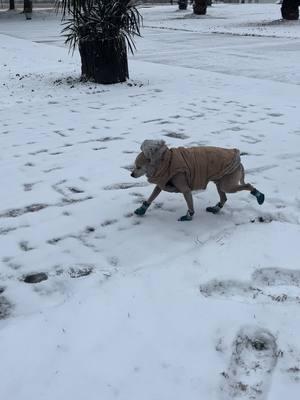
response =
{"points": [[182, 170]]}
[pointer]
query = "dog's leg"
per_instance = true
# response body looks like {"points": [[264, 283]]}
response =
{"points": [[189, 201], [260, 197], [146, 204], [154, 194], [215, 209], [181, 185], [235, 182]]}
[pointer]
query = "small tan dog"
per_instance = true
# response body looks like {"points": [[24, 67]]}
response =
{"points": [[182, 170]]}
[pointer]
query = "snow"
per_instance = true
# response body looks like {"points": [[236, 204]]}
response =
{"points": [[150, 308]]}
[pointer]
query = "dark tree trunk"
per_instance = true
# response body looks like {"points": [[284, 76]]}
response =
{"points": [[182, 4], [12, 4], [28, 6], [104, 61], [200, 7], [290, 9]]}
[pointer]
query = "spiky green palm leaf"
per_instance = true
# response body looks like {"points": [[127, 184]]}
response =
{"points": [[100, 20]]}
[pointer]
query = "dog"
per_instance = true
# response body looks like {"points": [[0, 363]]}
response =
{"points": [[182, 170]]}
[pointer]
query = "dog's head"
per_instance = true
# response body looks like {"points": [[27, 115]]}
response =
{"points": [[148, 159], [140, 166]]}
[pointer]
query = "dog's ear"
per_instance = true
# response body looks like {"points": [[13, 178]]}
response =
{"points": [[153, 149]]}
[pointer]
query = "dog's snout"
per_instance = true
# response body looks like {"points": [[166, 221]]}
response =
{"points": [[132, 174]]}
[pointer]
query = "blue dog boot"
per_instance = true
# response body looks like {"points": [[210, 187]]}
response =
{"points": [[215, 209], [260, 197], [187, 217], [142, 210]]}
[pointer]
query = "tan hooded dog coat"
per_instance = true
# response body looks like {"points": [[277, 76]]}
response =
{"points": [[200, 165]]}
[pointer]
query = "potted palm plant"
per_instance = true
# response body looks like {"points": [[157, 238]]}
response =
{"points": [[182, 4], [102, 29], [200, 6], [290, 9]]}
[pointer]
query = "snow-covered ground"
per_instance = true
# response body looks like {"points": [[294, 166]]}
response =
{"points": [[150, 308]]}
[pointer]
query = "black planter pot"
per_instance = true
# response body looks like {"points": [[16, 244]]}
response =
{"points": [[182, 4], [200, 7], [290, 9], [28, 8], [104, 61]]}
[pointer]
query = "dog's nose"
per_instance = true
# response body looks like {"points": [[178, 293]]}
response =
{"points": [[132, 174]]}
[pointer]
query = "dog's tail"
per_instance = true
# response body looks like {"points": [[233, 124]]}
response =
{"points": [[242, 181]]}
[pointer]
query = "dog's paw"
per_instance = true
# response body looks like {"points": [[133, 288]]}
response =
{"points": [[187, 217], [260, 197], [215, 209], [142, 210]]}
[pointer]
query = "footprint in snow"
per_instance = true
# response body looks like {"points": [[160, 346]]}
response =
{"points": [[78, 272], [125, 185], [5, 305], [276, 277], [266, 285], [176, 135], [35, 278], [274, 114], [253, 359], [109, 222]]}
